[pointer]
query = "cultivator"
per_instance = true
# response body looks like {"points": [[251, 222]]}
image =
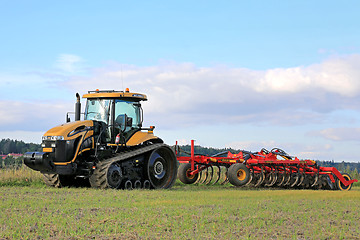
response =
{"points": [[265, 168]]}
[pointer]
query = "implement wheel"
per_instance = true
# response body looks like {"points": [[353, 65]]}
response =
{"points": [[238, 174], [184, 174], [340, 186]]}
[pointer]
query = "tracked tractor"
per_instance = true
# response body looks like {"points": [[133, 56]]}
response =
{"points": [[108, 149]]}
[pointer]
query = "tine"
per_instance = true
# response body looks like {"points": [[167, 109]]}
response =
{"points": [[282, 180], [260, 180], [268, 179], [226, 178], [275, 177], [296, 180], [219, 172], [287, 179], [251, 178], [301, 180], [199, 178], [206, 176], [211, 176], [315, 181]]}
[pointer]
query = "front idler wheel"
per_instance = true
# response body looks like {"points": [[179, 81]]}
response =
{"points": [[162, 168]]}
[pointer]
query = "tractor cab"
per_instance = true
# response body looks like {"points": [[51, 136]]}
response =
{"points": [[120, 111]]}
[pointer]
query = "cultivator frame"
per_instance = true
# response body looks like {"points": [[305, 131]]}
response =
{"points": [[265, 168]]}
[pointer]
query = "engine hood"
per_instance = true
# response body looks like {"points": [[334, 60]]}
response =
{"points": [[70, 130]]}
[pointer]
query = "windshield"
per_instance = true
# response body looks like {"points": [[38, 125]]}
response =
{"points": [[131, 109], [97, 109]]}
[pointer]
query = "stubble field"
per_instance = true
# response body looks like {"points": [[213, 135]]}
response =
{"points": [[184, 212]]}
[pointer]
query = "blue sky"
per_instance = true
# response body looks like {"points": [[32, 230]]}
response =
{"points": [[226, 73]]}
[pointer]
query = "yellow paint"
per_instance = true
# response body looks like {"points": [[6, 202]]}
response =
{"points": [[140, 137], [66, 128], [47, 150], [136, 96]]}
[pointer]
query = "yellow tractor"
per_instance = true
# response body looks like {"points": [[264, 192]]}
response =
{"points": [[108, 149]]}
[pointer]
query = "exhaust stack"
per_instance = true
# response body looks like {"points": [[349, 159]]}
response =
{"points": [[77, 107]]}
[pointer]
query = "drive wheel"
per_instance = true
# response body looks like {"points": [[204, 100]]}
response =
{"points": [[162, 168], [52, 180], [184, 174], [239, 174], [58, 181], [105, 176], [114, 176], [341, 186]]}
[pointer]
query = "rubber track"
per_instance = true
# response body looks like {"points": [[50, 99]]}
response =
{"points": [[98, 178], [52, 180]]}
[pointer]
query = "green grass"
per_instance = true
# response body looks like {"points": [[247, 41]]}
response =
{"points": [[22, 176], [184, 212]]}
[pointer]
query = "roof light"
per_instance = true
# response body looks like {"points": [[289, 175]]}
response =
{"points": [[127, 90], [97, 90]]}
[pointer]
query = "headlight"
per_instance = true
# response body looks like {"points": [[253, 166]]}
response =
{"points": [[57, 138], [53, 138]]}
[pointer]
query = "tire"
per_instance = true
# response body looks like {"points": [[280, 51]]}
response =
{"points": [[184, 175], [106, 176], [162, 168], [238, 174], [58, 181], [342, 187], [52, 180]]}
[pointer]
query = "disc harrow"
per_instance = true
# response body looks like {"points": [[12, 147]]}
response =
{"points": [[265, 168]]}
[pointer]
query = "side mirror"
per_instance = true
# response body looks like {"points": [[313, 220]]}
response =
{"points": [[67, 118], [123, 121], [129, 121]]}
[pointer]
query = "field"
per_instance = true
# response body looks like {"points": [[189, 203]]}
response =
{"points": [[184, 212]]}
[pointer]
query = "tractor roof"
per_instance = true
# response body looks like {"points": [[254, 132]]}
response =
{"points": [[116, 94]]}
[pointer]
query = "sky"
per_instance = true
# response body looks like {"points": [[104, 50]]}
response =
{"points": [[240, 74]]}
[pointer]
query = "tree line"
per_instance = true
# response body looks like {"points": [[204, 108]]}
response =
{"points": [[14, 146]]}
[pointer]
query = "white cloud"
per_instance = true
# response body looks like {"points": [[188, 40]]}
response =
{"points": [[338, 75], [187, 94], [183, 94], [339, 134], [69, 63]]}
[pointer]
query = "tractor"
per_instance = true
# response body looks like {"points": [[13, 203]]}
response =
{"points": [[109, 148]]}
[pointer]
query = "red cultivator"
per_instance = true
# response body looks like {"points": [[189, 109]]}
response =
{"points": [[273, 168]]}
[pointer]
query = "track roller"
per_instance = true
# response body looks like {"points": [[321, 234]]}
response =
{"points": [[137, 184], [128, 185]]}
